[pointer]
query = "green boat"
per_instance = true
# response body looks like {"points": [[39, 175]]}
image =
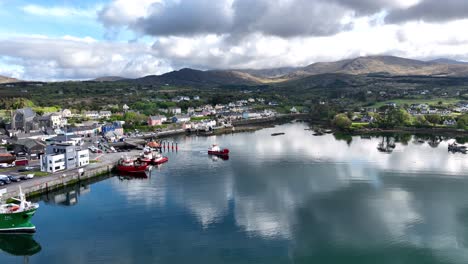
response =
{"points": [[15, 217]]}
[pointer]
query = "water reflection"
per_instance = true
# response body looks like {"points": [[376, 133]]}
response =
{"points": [[19, 244], [67, 196], [291, 199]]}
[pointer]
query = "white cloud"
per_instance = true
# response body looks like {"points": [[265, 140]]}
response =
{"points": [[42, 58], [58, 11], [124, 12]]}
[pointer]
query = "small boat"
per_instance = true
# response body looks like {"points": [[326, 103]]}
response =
{"points": [[319, 133], [159, 159], [216, 150], [454, 147], [128, 165], [15, 218], [278, 134]]}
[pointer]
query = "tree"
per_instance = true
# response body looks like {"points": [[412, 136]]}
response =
{"points": [[394, 118], [342, 122], [433, 119], [462, 121], [420, 121]]}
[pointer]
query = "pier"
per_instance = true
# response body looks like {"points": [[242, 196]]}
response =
{"points": [[40, 185]]}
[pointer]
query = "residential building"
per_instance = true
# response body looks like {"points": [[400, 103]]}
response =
{"points": [[91, 114], [85, 131], [180, 118], [190, 110], [65, 139], [450, 122], [105, 114], [156, 120], [33, 148], [293, 110], [66, 113], [125, 107], [52, 120], [60, 157], [175, 110]]}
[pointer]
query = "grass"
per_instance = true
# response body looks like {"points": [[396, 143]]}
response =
{"points": [[94, 161], [359, 125], [201, 118], [433, 102], [36, 173]]}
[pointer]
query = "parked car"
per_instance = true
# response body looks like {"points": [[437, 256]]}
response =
{"points": [[26, 177], [14, 178], [6, 165], [27, 168], [1, 183], [5, 179]]}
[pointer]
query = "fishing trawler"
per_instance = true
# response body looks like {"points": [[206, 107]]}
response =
{"points": [[15, 217], [216, 150]]}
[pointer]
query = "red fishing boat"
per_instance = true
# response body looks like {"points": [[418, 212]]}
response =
{"points": [[159, 159], [216, 150], [132, 165]]}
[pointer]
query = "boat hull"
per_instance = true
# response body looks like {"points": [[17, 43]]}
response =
{"points": [[17, 222], [132, 169], [223, 152], [161, 161]]}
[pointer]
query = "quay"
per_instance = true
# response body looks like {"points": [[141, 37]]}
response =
{"points": [[40, 185]]}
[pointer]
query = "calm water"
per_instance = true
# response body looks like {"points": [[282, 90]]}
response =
{"points": [[287, 199]]}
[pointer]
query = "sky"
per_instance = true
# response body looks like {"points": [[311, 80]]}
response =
{"points": [[84, 39]]}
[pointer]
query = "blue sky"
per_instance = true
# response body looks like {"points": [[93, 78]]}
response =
{"points": [[84, 39]]}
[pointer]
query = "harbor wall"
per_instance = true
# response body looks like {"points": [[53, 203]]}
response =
{"points": [[58, 181]]}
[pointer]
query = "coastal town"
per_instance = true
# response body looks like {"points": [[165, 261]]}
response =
{"points": [[42, 145]]}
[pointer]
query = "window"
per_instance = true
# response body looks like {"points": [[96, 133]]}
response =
{"points": [[50, 168], [57, 168]]}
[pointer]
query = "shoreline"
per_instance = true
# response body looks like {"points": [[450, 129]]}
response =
{"points": [[103, 169]]}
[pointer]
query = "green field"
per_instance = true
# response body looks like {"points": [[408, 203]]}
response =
{"points": [[433, 102]]}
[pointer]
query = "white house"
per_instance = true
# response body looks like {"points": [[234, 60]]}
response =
{"points": [[82, 157], [105, 114], [175, 110], [66, 113], [53, 162], [63, 157], [91, 114]]}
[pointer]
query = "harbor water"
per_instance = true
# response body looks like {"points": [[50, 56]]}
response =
{"points": [[293, 198]]}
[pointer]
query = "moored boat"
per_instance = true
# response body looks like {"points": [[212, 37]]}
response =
{"points": [[128, 165], [15, 218], [278, 134], [216, 150], [159, 159]]}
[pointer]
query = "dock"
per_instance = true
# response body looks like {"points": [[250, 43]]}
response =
{"points": [[40, 185]]}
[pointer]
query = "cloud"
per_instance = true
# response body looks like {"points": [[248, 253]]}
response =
{"points": [[43, 58], [284, 18], [59, 11], [123, 12], [430, 11]]}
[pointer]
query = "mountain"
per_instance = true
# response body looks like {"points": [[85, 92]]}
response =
{"points": [[370, 65], [191, 77], [269, 73], [4, 79], [449, 61], [109, 79], [383, 65]]}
